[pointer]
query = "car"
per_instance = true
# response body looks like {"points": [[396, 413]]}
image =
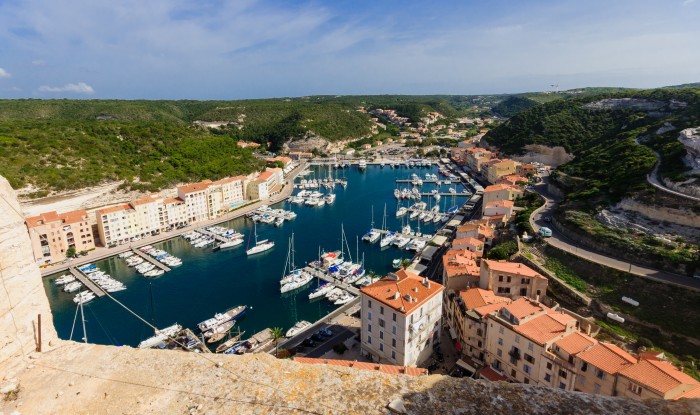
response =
{"points": [[309, 342], [317, 337], [545, 232], [326, 331], [548, 219]]}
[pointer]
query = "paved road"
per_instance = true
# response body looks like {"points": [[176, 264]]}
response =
{"points": [[340, 334], [104, 252], [561, 241]]}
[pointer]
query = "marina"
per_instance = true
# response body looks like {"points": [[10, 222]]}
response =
{"points": [[210, 281], [151, 260], [99, 292]]}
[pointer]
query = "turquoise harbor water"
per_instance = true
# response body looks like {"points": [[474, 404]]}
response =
{"points": [[210, 282]]}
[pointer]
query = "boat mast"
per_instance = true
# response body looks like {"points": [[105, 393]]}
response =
{"points": [[153, 310], [82, 316]]}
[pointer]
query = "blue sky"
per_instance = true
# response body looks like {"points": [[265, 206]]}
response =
{"points": [[216, 49]]}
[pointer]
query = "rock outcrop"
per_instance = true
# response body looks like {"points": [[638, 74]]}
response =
{"points": [[690, 138], [76, 378]]}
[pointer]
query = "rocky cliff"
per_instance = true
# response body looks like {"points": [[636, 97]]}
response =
{"points": [[75, 378]]}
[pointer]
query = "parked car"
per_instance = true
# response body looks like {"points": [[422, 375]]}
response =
{"points": [[326, 332], [308, 342], [317, 337]]}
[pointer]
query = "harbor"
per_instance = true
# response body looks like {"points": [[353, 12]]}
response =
{"points": [[150, 259], [210, 281], [99, 292]]}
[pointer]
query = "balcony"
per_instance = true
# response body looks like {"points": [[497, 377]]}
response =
{"points": [[515, 354]]}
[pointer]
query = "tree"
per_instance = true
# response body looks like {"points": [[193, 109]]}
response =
{"points": [[277, 334], [70, 253]]}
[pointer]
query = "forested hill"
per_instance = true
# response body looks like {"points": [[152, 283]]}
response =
{"points": [[600, 131]]}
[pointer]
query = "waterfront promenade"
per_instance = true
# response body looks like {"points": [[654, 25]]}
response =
{"points": [[105, 252]]}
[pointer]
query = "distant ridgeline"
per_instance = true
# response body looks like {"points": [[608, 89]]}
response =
{"points": [[600, 131]]}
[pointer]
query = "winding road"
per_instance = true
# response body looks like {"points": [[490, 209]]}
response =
{"points": [[561, 241]]}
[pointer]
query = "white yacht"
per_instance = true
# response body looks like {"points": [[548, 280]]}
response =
{"points": [[260, 246], [230, 243], [299, 281], [299, 326], [362, 164], [329, 198], [372, 236], [401, 211], [160, 336], [84, 297], [344, 298], [64, 279], [72, 287], [154, 273], [321, 290], [220, 318], [387, 239], [402, 241]]}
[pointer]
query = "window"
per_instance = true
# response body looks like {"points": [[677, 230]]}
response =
{"points": [[369, 328], [381, 322], [529, 358], [393, 330], [381, 334], [369, 339], [530, 347], [596, 388], [526, 368], [500, 341], [517, 338], [499, 352], [562, 373], [562, 385], [547, 377], [500, 278], [513, 374], [500, 329], [393, 318], [369, 303], [525, 281], [381, 347], [393, 355], [581, 379], [600, 374], [508, 279], [549, 365], [393, 342], [369, 315], [523, 292], [634, 388], [584, 366], [381, 310]]}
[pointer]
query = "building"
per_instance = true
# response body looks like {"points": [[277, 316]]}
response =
{"points": [[248, 144], [460, 269], [483, 230], [498, 168], [400, 318], [598, 367], [472, 244], [499, 210], [268, 183], [656, 379], [512, 279], [53, 234], [526, 169], [496, 192], [300, 155], [515, 180], [475, 157]]}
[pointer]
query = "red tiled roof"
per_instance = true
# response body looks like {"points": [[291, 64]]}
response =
{"points": [[545, 328], [476, 297], [607, 357], [512, 268], [394, 292], [194, 187], [524, 307], [113, 209], [74, 216], [390, 369], [693, 393], [265, 175], [490, 374], [657, 375]]}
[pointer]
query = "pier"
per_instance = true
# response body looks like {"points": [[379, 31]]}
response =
{"points": [[447, 194], [151, 260], [213, 235], [99, 292], [321, 275], [422, 237], [443, 181], [346, 309]]}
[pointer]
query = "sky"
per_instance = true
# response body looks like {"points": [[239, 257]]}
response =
{"points": [[236, 49]]}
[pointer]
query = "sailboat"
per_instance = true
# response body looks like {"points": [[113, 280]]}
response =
{"points": [[387, 238], [296, 278], [260, 246], [372, 235]]}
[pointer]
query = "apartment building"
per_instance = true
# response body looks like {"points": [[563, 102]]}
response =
{"points": [[52, 234], [512, 279], [495, 169], [196, 200], [497, 192], [475, 157], [499, 211], [460, 269], [266, 184], [483, 230], [400, 318]]}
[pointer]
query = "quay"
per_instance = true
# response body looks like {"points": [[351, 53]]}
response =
{"points": [[321, 275], [99, 292], [422, 237], [447, 194], [263, 339], [428, 181], [213, 235], [151, 260], [346, 309]]}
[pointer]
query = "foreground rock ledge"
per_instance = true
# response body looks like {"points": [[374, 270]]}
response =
{"points": [[80, 379]]}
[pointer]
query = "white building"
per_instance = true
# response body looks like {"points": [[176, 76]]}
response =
{"points": [[400, 318]]}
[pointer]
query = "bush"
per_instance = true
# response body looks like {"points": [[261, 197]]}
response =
{"points": [[340, 348]]}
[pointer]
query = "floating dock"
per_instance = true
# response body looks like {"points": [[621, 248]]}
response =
{"points": [[422, 237], [99, 292], [428, 181], [321, 275], [213, 235], [151, 260]]}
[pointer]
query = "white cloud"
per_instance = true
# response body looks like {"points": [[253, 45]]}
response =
{"points": [[79, 88], [38, 62], [687, 2], [4, 73]]}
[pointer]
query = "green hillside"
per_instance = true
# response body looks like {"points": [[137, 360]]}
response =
{"points": [[608, 163]]}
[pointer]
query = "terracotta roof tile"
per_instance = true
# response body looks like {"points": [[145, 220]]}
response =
{"points": [[394, 292], [512, 268], [657, 375], [113, 209], [523, 308], [607, 357], [575, 342], [74, 216], [194, 187], [545, 328], [476, 297], [693, 393], [492, 375], [458, 262]]}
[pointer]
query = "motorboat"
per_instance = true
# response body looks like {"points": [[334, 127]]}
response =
{"points": [[64, 279], [396, 264], [345, 298], [416, 245], [160, 335], [220, 318], [222, 328], [72, 287], [362, 164], [230, 243], [279, 221], [84, 297], [329, 198], [401, 241], [401, 211], [154, 273], [296, 328]]}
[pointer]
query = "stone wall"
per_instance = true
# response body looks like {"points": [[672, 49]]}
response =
{"points": [[22, 296]]}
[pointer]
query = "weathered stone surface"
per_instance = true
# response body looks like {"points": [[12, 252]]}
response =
{"points": [[76, 378]]}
